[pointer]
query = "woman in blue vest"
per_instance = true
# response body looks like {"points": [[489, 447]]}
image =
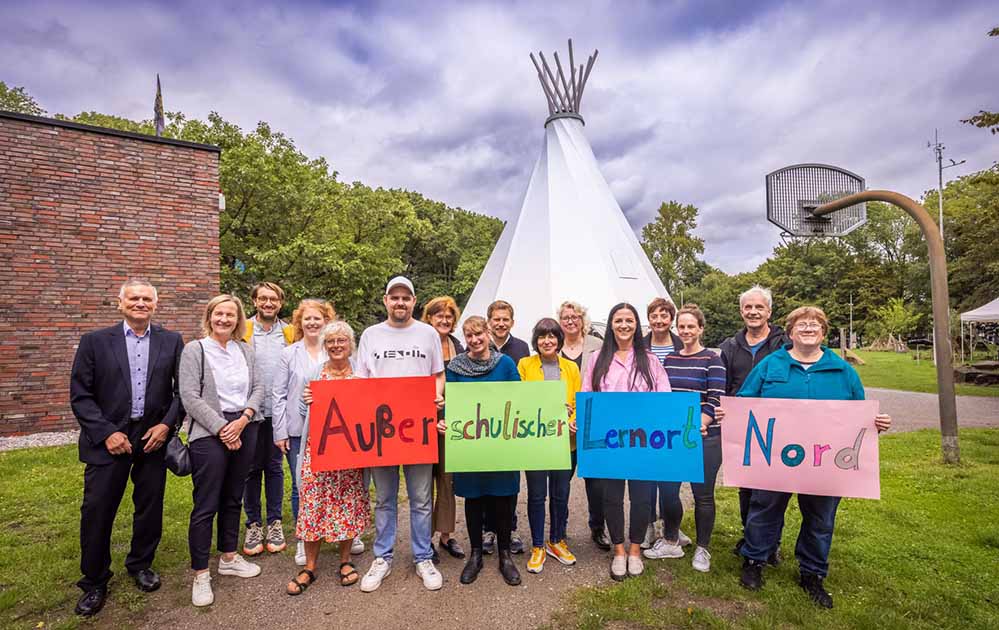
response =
{"points": [[805, 369]]}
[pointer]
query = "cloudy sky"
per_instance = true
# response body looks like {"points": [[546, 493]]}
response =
{"points": [[693, 101]]}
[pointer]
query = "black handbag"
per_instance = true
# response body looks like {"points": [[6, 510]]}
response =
{"points": [[178, 455]]}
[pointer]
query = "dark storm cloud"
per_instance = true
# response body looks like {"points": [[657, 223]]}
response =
{"points": [[688, 101]]}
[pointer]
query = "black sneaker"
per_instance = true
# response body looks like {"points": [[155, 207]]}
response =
{"points": [[600, 539], [738, 547], [775, 558], [752, 574], [812, 584]]}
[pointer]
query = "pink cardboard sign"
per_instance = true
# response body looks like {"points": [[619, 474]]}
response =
{"points": [[822, 447]]}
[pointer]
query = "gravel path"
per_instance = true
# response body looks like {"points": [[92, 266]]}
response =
{"points": [[402, 602]]}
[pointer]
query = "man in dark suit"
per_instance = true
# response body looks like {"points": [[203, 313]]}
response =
{"points": [[124, 393]]}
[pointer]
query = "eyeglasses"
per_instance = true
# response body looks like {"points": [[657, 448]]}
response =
{"points": [[571, 318], [808, 326], [265, 300], [338, 341]]}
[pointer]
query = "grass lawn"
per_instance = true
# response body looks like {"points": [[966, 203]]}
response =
{"points": [[925, 556], [900, 371]]}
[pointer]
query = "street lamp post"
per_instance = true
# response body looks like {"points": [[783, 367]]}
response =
{"points": [[941, 301]]}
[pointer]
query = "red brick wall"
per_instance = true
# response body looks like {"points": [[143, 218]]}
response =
{"points": [[81, 211]]}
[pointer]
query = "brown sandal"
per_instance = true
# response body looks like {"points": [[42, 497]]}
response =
{"points": [[350, 577], [300, 587]]}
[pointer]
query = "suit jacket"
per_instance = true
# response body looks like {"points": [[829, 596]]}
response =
{"points": [[100, 388]]}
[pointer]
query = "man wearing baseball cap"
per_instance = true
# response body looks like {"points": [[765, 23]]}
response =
{"points": [[402, 346]]}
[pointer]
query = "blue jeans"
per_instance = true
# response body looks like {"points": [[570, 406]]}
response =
{"points": [[267, 463], [419, 486], [294, 448], [766, 519], [556, 484]]}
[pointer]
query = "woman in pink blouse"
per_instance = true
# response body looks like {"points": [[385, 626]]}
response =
{"points": [[624, 364]]}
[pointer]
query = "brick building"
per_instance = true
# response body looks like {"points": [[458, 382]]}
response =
{"points": [[82, 209]]}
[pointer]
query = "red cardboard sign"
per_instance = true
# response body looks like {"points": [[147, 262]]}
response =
{"points": [[365, 422]]}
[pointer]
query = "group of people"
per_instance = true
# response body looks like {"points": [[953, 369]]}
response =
{"points": [[244, 388]]}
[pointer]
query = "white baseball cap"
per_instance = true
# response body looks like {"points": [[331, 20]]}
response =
{"points": [[400, 281]]}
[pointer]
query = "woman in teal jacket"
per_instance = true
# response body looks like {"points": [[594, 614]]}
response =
{"points": [[805, 369]]}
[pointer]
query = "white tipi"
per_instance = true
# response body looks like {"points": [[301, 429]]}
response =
{"points": [[570, 240]]}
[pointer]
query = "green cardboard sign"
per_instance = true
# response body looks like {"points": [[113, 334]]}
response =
{"points": [[506, 426]]}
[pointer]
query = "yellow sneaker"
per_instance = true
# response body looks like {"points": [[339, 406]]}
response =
{"points": [[537, 561], [560, 551]]}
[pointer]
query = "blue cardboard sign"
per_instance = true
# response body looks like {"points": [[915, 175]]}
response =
{"points": [[652, 436]]}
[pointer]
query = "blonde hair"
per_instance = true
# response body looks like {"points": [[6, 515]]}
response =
{"points": [[324, 307], [338, 327], [808, 312], [438, 304], [475, 324], [206, 322], [580, 310]]}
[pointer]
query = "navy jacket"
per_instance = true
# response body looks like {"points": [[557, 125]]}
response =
{"points": [[100, 389], [739, 361]]}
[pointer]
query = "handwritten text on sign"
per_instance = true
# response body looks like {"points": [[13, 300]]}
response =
{"points": [[359, 423], [653, 436], [822, 447], [496, 426]]}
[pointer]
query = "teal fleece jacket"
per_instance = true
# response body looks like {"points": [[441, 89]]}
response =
{"points": [[779, 375]]}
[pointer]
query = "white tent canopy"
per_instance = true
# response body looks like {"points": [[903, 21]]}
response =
{"points": [[987, 313], [570, 241]]}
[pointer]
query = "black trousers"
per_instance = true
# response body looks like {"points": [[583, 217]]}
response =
{"points": [[219, 477], [498, 511], [595, 502], [640, 496], [103, 489]]}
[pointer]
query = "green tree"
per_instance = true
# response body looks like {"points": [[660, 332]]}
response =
{"points": [[894, 318], [985, 119], [17, 99], [288, 219], [672, 248]]}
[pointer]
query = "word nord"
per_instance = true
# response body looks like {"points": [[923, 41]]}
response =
{"points": [[378, 430], [792, 455]]}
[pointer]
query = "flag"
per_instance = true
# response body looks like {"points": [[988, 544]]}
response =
{"points": [[158, 109]]}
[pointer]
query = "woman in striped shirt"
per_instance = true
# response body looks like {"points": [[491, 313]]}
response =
{"points": [[693, 369]]}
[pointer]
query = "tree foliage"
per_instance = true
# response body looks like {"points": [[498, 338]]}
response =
{"points": [[290, 220], [672, 247], [17, 99], [985, 119]]}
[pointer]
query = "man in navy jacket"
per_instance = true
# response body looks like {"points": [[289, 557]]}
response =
{"points": [[124, 393]]}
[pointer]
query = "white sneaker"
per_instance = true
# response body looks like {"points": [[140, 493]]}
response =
{"points": [[356, 546], [432, 578], [702, 560], [238, 567], [380, 569], [201, 592], [650, 536], [300, 553], [635, 565], [663, 549], [685, 540]]}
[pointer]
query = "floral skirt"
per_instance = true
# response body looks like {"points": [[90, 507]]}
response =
{"points": [[333, 506]]}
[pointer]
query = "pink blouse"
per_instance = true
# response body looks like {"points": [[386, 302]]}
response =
{"points": [[618, 377]]}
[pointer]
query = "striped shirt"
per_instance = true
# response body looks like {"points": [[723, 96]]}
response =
{"points": [[661, 352], [703, 373]]}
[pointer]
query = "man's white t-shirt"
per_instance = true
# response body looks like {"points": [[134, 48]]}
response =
{"points": [[386, 351]]}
